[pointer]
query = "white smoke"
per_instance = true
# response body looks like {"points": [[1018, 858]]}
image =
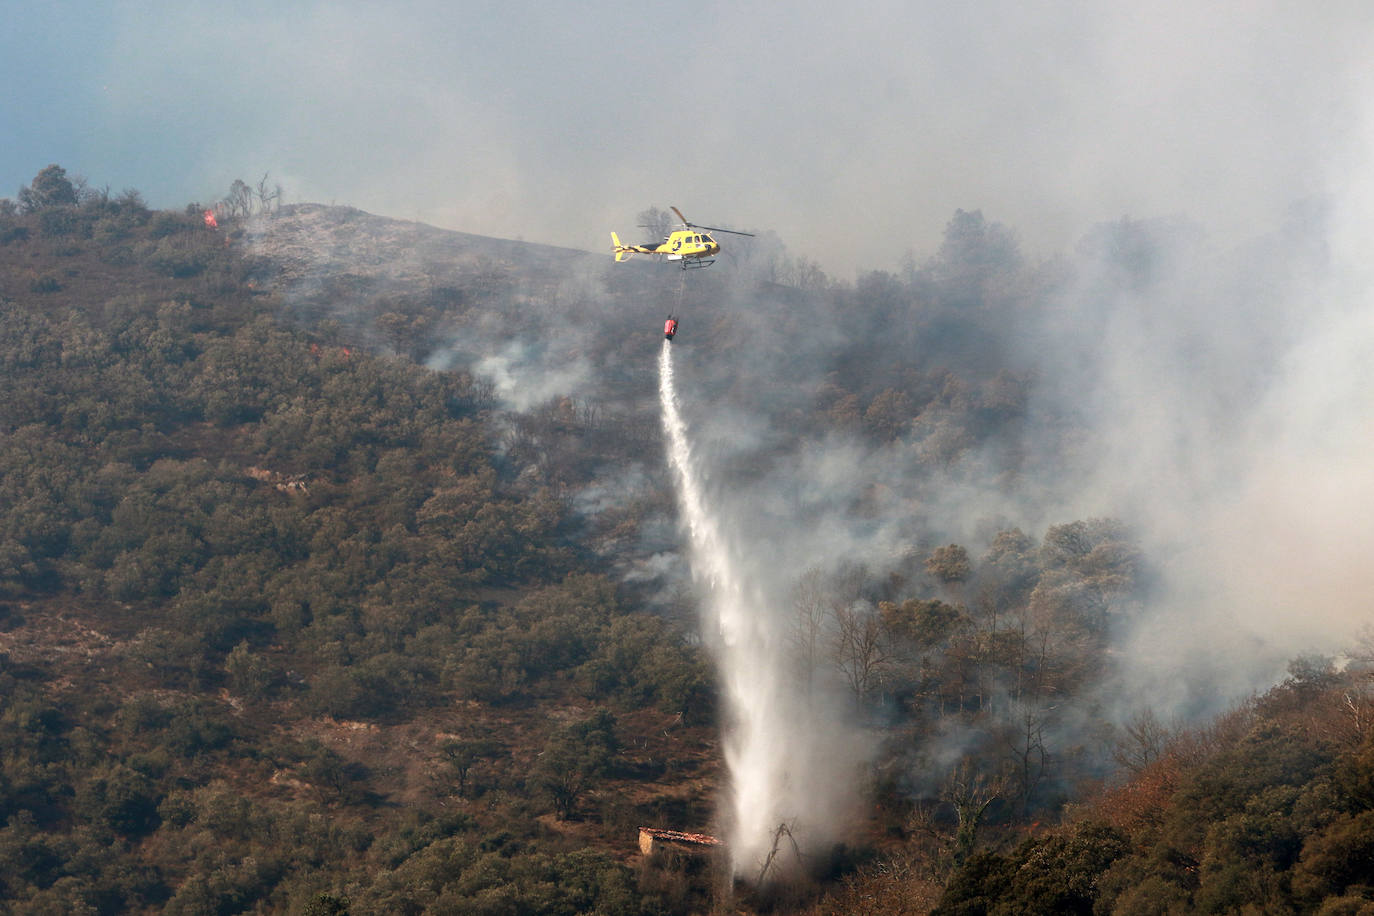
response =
{"points": [[793, 763], [524, 378]]}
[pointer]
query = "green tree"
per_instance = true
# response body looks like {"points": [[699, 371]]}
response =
{"points": [[462, 755], [334, 778], [574, 758], [250, 675], [949, 564], [889, 416], [50, 188], [323, 904], [123, 800], [1338, 858], [974, 253]]}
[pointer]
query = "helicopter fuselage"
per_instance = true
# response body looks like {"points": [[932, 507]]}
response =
{"points": [[685, 244], [692, 245]]}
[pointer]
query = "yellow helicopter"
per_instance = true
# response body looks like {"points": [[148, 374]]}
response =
{"points": [[691, 245]]}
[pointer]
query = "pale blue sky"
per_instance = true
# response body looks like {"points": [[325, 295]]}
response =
{"points": [[852, 130]]}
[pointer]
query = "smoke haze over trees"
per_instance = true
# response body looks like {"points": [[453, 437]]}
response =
{"points": [[1093, 434], [1024, 521]]}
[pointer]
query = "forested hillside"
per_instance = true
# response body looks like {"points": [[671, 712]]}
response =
{"points": [[341, 573], [281, 622], [1268, 809]]}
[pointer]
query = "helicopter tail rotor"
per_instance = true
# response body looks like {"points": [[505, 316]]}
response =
{"points": [[622, 252]]}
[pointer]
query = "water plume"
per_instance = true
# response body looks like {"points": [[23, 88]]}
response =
{"points": [[792, 763]]}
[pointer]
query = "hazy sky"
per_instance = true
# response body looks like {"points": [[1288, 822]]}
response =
{"points": [[853, 130]]}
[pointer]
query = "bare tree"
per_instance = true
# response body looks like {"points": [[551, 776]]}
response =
{"points": [[893, 885], [1024, 737], [656, 223], [239, 201], [802, 273], [1143, 742], [810, 606], [1359, 705], [268, 200], [784, 830], [860, 644], [970, 793]]}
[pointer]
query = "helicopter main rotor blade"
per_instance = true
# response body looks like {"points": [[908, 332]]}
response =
{"points": [[690, 225], [718, 229]]}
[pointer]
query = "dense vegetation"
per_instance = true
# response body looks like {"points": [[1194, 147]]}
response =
{"points": [[290, 623], [1267, 810], [239, 561]]}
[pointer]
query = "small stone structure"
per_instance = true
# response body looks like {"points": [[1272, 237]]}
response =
{"points": [[294, 483], [655, 839]]}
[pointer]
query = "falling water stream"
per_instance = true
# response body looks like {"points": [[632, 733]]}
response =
{"points": [[749, 657]]}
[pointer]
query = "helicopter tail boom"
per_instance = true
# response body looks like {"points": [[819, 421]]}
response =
{"points": [[623, 252]]}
